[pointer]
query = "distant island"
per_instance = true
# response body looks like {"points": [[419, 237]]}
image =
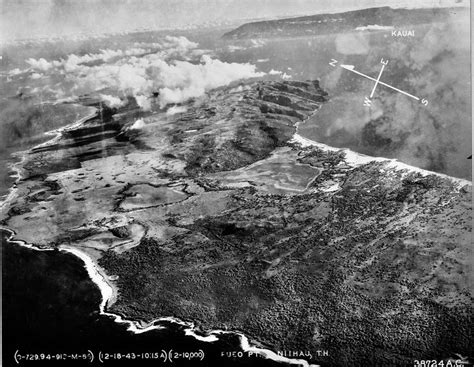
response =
{"points": [[339, 22], [200, 192]]}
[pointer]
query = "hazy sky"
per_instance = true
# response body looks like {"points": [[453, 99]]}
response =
{"points": [[44, 18]]}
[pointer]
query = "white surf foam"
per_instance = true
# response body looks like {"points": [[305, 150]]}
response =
{"points": [[357, 159], [107, 293]]}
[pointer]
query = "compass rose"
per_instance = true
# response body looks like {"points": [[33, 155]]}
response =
{"points": [[368, 100]]}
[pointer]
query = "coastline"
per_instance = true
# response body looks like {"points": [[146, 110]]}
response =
{"points": [[17, 166], [58, 132], [355, 159], [109, 291]]}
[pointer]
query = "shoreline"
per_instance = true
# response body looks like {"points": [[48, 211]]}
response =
{"points": [[16, 166], [355, 159], [107, 291], [57, 133]]}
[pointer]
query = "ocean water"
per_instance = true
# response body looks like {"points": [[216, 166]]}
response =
{"points": [[50, 305], [434, 65], [50, 308]]}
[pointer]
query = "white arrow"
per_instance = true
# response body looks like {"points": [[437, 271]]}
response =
{"points": [[351, 68]]}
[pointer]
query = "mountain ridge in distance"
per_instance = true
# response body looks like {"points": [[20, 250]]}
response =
{"points": [[337, 22]]}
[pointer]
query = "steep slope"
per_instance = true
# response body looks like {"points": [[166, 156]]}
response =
{"points": [[217, 215]]}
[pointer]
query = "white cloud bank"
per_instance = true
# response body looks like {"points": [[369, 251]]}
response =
{"points": [[72, 61], [112, 101], [374, 27], [281, 73], [36, 76], [183, 80], [175, 80]]}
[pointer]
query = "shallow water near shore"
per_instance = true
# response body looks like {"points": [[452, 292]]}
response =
{"points": [[51, 301], [52, 307]]}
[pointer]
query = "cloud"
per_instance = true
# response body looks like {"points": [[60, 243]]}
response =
{"points": [[274, 72], [374, 27], [233, 48], [180, 43], [178, 95], [176, 81], [40, 64], [14, 72], [437, 136], [72, 61], [137, 125], [281, 73], [168, 72], [144, 102], [112, 101], [184, 80], [36, 76], [239, 89], [72, 18], [173, 110]]}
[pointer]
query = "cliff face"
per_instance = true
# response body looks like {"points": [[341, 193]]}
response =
{"points": [[239, 126], [339, 22], [217, 216]]}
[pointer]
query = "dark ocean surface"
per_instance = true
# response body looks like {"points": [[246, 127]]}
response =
{"points": [[51, 307]]}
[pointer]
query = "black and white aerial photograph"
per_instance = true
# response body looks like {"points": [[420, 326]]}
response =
{"points": [[229, 183]]}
